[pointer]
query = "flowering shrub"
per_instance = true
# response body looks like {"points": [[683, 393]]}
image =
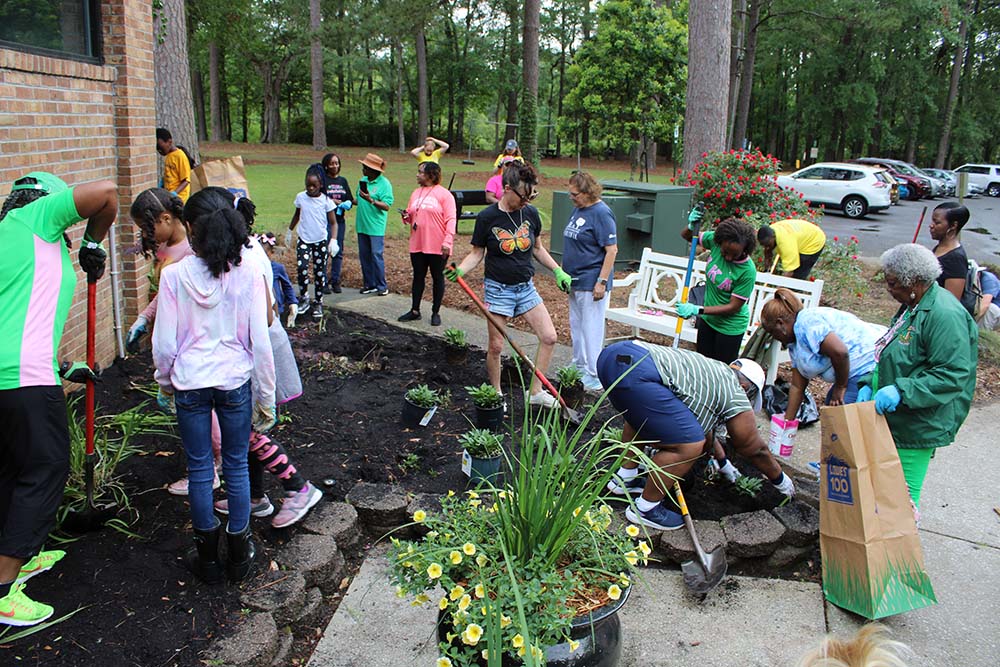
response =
{"points": [[840, 269], [743, 184], [511, 568]]}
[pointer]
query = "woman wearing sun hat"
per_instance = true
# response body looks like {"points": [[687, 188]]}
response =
{"points": [[37, 283], [374, 200]]}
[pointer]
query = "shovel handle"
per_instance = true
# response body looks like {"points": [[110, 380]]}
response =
{"points": [[690, 525], [687, 282], [91, 359], [503, 332]]}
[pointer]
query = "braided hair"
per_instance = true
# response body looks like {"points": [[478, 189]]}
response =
{"points": [[147, 207], [736, 230], [21, 198]]}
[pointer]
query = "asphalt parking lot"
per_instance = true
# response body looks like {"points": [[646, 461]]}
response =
{"points": [[880, 231]]}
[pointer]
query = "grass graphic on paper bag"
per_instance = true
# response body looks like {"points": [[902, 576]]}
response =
{"points": [[902, 586]]}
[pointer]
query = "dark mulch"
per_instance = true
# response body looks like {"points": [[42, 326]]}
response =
{"points": [[141, 607]]}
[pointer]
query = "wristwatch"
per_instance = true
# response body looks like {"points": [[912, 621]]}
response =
{"points": [[603, 281]]}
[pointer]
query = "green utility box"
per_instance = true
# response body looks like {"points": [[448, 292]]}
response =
{"points": [[649, 215]]}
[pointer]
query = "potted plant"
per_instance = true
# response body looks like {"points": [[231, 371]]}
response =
{"points": [[481, 456], [570, 380], [489, 406], [532, 571], [419, 405], [456, 349]]}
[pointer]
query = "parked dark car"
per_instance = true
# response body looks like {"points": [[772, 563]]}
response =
{"points": [[918, 186]]}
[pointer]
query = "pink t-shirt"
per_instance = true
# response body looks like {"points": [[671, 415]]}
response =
{"points": [[165, 255], [432, 211], [495, 185]]}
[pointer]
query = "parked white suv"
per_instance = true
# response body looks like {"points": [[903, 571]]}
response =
{"points": [[986, 176], [853, 188]]}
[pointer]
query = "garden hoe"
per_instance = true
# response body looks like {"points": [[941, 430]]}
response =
{"points": [[570, 414], [90, 517], [703, 576]]}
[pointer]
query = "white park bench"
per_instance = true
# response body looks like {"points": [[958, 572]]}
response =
{"points": [[657, 286]]}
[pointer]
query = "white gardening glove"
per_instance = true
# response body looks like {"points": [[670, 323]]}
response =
{"points": [[135, 332], [334, 247], [288, 239], [293, 312], [264, 417]]}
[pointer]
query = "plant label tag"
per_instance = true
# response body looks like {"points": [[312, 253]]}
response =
{"points": [[426, 419], [466, 463]]}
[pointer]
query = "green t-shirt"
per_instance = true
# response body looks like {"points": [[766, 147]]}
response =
{"points": [[370, 219], [723, 280], [37, 282]]}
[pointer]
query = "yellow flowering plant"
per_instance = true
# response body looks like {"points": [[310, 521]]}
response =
{"points": [[510, 567]]}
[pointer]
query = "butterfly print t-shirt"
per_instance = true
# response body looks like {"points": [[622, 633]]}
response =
{"points": [[509, 240]]}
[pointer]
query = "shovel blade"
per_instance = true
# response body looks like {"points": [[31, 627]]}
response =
{"points": [[700, 580]]}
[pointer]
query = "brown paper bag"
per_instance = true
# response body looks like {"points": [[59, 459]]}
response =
{"points": [[872, 561], [227, 173]]}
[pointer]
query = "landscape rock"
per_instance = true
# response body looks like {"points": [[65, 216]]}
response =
{"points": [[379, 504], [285, 641], [283, 599], [752, 534], [675, 546], [787, 554], [312, 609], [801, 521], [429, 503], [317, 558], [254, 644], [338, 520]]}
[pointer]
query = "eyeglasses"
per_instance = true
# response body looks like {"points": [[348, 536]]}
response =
{"points": [[574, 194], [526, 198]]}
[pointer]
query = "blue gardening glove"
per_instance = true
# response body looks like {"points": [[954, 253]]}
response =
{"points": [[135, 332], [686, 310], [563, 279], [694, 218], [165, 401], [264, 417], [887, 399], [343, 207], [77, 372], [453, 274], [92, 258], [864, 394]]}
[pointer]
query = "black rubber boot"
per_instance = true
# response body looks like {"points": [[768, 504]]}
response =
{"points": [[242, 554], [203, 560]]}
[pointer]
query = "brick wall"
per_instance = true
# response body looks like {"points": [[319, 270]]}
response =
{"points": [[86, 122]]}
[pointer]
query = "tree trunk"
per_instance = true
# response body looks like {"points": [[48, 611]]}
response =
{"points": [[272, 77], [198, 90], [735, 59], [528, 116], [709, 27], [316, 72], [944, 143], [746, 77], [510, 130], [174, 104], [214, 92], [399, 96], [422, 103]]}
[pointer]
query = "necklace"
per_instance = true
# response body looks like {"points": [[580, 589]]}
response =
{"points": [[512, 221]]}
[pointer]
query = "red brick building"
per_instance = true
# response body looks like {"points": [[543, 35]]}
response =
{"points": [[77, 99]]}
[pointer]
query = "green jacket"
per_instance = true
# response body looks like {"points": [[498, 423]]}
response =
{"points": [[932, 362]]}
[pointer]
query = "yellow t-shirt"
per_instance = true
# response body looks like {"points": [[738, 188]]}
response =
{"points": [[176, 170], [433, 157], [796, 237]]}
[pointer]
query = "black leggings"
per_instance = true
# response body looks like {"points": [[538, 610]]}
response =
{"points": [[422, 261], [315, 253], [267, 454], [718, 346]]}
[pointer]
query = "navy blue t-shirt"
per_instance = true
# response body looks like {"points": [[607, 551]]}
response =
{"points": [[589, 231]]}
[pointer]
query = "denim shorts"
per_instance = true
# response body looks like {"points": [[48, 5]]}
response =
{"points": [[510, 300]]}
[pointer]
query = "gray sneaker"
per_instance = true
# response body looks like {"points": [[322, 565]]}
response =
{"points": [[262, 507]]}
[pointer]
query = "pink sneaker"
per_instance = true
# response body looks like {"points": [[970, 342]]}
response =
{"points": [[180, 487], [296, 505]]}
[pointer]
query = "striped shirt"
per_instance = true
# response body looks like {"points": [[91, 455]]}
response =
{"points": [[707, 387]]}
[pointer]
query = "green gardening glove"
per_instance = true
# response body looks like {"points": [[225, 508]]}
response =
{"points": [[77, 372], [686, 310], [563, 279], [453, 274], [694, 219]]}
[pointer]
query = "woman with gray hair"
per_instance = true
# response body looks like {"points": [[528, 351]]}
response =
{"points": [[925, 371]]}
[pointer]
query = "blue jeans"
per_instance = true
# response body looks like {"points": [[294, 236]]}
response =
{"points": [[850, 394], [370, 249], [234, 408], [337, 261]]}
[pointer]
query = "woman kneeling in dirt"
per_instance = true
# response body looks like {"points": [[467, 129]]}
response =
{"points": [[508, 243], [675, 397]]}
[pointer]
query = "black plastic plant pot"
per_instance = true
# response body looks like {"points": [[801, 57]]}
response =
{"points": [[490, 418], [599, 634], [456, 355], [485, 471], [414, 415]]}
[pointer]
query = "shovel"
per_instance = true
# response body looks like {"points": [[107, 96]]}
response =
{"points": [[90, 517], [687, 275], [569, 413], [703, 576]]}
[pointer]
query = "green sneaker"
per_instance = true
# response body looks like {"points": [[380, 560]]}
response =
{"points": [[42, 562], [18, 609]]}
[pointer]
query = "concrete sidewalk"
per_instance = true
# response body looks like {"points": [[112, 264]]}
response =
{"points": [[748, 622]]}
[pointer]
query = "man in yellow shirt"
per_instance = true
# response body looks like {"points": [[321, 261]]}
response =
{"points": [[176, 168], [431, 151], [799, 244]]}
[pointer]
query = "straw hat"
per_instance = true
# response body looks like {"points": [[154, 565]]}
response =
{"points": [[373, 161]]}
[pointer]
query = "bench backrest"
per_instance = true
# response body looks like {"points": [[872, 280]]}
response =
{"points": [[468, 198], [662, 280]]}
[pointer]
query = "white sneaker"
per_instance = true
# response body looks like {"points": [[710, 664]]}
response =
{"points": [[543, 399], [180, 487]]}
